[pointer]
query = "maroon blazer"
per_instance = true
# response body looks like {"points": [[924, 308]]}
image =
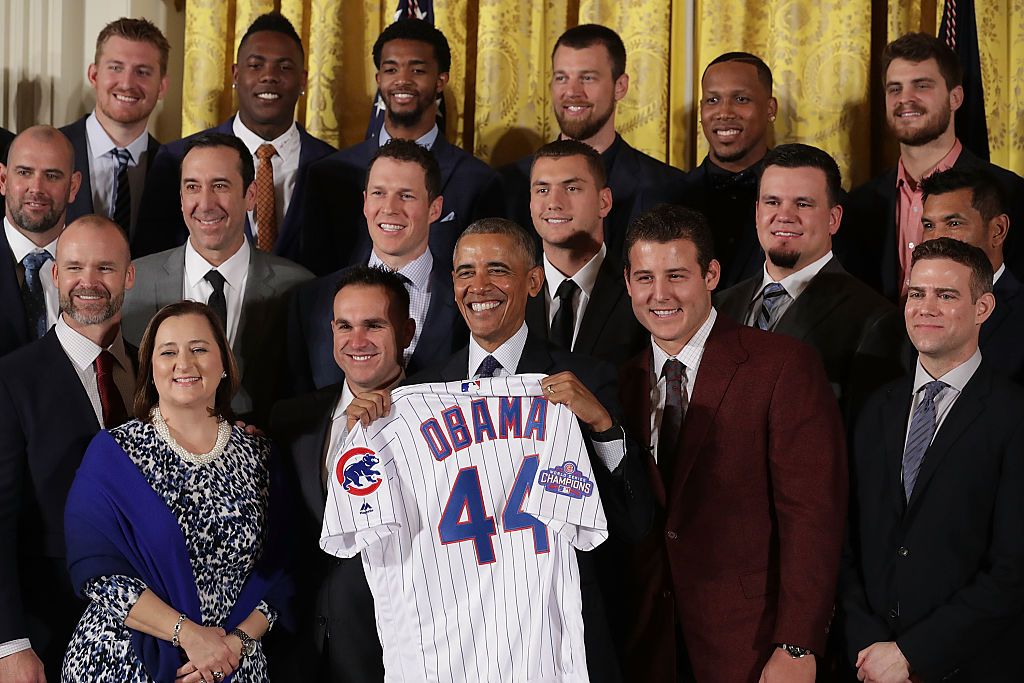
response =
{"points": [[745, 549]]}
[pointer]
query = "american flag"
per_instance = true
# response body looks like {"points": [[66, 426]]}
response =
{"points": [[959, 30]]}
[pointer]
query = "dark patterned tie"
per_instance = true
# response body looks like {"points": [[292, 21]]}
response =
{"points": [[217, 301], [32, 292], [111, 402], [266, 208], [564, 322], [122, 210], [672, 416], [770, 298], [919, 436], [488, 366]]}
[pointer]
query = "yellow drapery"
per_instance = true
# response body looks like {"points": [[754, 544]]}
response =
{"points": [[498, 99]]}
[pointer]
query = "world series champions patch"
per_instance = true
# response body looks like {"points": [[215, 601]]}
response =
{"points": [[357, 473], [566, 480]]}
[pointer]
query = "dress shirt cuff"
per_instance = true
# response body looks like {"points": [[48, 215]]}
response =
{"points": [[13, 646], [610, 446]]}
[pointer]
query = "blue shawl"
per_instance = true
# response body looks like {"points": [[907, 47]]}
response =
{"points": [[115, 523]]}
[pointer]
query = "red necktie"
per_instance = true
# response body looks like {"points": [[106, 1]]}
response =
{"points": [[114, 413]]}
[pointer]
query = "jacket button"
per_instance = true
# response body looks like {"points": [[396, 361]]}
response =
{"points": [[666, 594], [893, 614], [671, 535], [903, 551], [321, 620]]}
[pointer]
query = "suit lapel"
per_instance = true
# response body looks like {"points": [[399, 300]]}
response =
{"points": [[1006, 291], [608, 289], [537, 315], [11, 289], [823, 294], [170, 288], [440, 310], [895, 414], [891, 286], [536, 357], [310, 449], [258, 287], [457, 366], [635, 394], [76, 404]]}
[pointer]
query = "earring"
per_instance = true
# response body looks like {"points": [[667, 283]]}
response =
{"points": [[302, 93], [232, 86], [224, 375], [772, 118]]}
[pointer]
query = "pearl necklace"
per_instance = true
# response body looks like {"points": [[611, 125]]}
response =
{"points": [[164, 432]]}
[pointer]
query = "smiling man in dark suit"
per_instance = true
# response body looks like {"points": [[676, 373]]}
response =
{"points": [[268, 77], [970, 206], [401, 203], [113, 151], [55, 394], [803, 291], [583, 306], [932, 584], [412, 59]]}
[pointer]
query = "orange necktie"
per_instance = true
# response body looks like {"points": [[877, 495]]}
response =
{"points": [[266, 211]]}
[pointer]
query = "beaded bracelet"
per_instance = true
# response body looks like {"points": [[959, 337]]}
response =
{"points": [[177, 629]]}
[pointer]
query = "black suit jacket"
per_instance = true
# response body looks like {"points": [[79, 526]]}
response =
{"points": [[943, 576], [46, 423], [867, 242], [1002, 335], [336, 636], [625, 493], [335, 234], [310, 342], [630, 173], [609, 331], [79, 138], [161, 225], [856, 331], [13, 324]]}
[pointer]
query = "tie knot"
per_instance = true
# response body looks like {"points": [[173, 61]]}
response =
{"points": [[104, 362], [488, 366], [123, 156], [34, 260], [673, 370], [567, 289], [214, 277], [772, 290], [932, 389], [265, 151]]}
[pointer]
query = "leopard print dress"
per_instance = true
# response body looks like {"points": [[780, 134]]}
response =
{"points": [[221, 508]]}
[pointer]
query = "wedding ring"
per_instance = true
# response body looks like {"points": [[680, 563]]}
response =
{"points": [[218, 675]]}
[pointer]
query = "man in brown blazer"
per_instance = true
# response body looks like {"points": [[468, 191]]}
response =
{"points": [[748, 468]]}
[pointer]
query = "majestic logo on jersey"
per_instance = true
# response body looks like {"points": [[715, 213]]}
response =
{"points": [[366, 509], [359, 477], [566, 480]]}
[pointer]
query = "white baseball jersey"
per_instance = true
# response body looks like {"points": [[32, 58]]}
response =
{"points": [[467, 502]]}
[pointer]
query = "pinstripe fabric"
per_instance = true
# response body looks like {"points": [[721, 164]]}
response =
{"points": [[919, 436]]}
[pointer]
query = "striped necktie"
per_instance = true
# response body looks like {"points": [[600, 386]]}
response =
{"points": [[122, 209], [771, 297], [919, 436]]}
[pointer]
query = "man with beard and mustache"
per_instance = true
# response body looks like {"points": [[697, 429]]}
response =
{"points": [[803, 291], [37, 183], [922, 92], [269, 76], [55, 394], [113, 151], [588, 80], [412, 59]]}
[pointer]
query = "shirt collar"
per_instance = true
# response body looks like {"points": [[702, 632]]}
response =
{"points": [[996, 275], [286, 145], [508, 354], [957, 378], [795, 283], [426, 140], [22, 246], [100, 143], [83, 351], [234, 269], [691, 352], [585, 277], [347, 395], [418, 270], [945, 163]]}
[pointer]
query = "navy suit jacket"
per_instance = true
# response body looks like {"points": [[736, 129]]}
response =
{"points": [[335, 233], [13, 325], [942, 574], [866, 244], [631, 172], [161, 225], [46, 423], [311, 341], [1002, 335], [79, 137]]}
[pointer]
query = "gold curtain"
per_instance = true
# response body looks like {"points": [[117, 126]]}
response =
{"points": [[498, 99]]}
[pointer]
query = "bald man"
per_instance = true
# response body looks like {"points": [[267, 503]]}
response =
{"points": [[55, 394], [37, 182]]}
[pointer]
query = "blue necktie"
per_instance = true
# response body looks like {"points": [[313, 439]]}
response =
{"points": [[122, 209], [771, 297], [488, 366], [32, 292], [919, 436]]}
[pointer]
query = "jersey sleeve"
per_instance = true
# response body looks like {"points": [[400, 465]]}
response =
{"points": [[564, 495], [361, 498]]}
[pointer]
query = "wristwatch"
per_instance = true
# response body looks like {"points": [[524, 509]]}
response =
{"points": [[795, 651], [248, 644]]}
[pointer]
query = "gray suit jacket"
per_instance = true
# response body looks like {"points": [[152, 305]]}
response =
{"points": [[260, 341]]}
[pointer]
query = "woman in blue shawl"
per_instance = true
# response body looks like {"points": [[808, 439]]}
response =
{"points": [[168, 523]]}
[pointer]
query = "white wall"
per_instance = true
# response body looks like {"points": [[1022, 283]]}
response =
{"points": [[48, 44]]}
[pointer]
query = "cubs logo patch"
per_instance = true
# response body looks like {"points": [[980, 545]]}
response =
{"points": [[356, 473], [566, 480]]}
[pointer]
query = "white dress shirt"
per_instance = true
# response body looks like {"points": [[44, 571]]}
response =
{"points": [[996, 275], [235, 271], [585, 278], [690, 356], [21, 246], [285, 164], [83, 352], [103, 169], [957, 379], [418, 272], [794, 284]]}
